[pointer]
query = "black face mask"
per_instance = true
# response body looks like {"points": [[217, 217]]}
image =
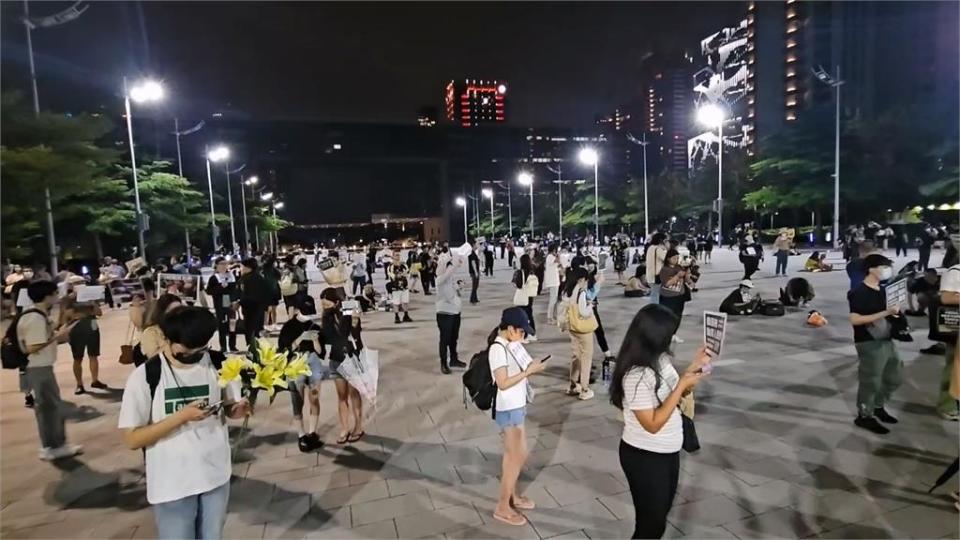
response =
{"points": [[190, 358]]}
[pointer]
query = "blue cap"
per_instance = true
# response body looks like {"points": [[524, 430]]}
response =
{"points": [[517, 318]]}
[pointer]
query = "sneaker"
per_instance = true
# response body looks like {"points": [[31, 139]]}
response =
{"points": [[532, 338], [45, 454], [586, 394], [28, 401], [676, 339], [445, 370], [952, 416], [99, 385], [79, 391], [870, 423], [396, 319], [66, 451], [457, 364], [573, 390], [314, 440], [935, 349], [884, 416], [303, 444], [406, 317]]}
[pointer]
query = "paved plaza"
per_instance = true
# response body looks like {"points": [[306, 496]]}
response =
{"points": [[780, 459]]}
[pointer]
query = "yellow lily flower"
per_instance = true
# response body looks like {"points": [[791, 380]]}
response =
{"points": [[297, 367], [269, 356], [231, 368], [265, 378]]}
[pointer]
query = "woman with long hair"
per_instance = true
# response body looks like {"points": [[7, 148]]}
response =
{"points": [[647, 388], [594, 281], [581, 344], [151, 338], [674, 286], [341, 334], [272, 276], [528, 289]]}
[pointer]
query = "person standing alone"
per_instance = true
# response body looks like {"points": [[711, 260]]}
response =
{"points": [[473, 261], [782, 248], [448, 315]]}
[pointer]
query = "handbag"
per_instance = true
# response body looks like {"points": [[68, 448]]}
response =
{"points": [[520, 297], [578, 324], [944, 322], [691, 443], [126, 350]]}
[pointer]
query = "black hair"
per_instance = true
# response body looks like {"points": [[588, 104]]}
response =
{"points": [[657, 238], [573, 276], [38, 291], [219, 260], [159, 309], [331, 295], [526, 265], [250, 263], [148, 284], [302, 262], [308, 306], [552, 248], [190, 326], [670, 253], [647, 339], [641, 270]]}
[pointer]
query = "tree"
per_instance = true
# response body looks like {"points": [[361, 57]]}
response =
{"points": [[581, 212]]}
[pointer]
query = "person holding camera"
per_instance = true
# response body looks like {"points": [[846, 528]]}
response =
{"points": [[674, 286]]}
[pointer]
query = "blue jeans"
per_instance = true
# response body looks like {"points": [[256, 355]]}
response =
{"points": [[655, 293], [781, 267], [196, 516]]}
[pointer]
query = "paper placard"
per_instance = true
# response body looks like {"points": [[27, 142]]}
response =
{"points": [[90, 293], [186, 286], [896, 292], [23, 300], [464, 250], [714, 328], [326, 264], [122, 291]]}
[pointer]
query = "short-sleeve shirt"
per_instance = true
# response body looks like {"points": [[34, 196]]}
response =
{"points": [[500, 356], [950, 280], [195, 458], [865, 300], [640, 393], [33, 329]]}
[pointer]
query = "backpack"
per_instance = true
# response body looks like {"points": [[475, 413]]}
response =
{"points": [[771, 309], [518, 279], [287, 286], [11, 354], [478, 383], [152, 370]]}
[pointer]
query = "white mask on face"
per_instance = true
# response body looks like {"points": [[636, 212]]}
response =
{"points": [[746, 294], [302, 318], [885, 273]]}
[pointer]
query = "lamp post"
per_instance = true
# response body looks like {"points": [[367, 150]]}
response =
{"points": [[252, 181], [177, 133], [488, 193], [713, 116], [143, 92], [835, 83], [526, 179], [218, 154], [589, 156], [276, 238], [646, 208], [462, 202], [559, 182]]}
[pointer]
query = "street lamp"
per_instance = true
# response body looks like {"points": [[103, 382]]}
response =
{"points": [[589, 156], [462, 202], [713, 116], [217, 154], [526, 179], [143, 92], [488, 193], [252, 181], [276, 206], [835, 83]]}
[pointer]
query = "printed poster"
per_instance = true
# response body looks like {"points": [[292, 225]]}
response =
{"points": [[714, 328]]}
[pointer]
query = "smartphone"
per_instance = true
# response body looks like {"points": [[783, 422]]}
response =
{"points": [[707, 368], [214, 408]]}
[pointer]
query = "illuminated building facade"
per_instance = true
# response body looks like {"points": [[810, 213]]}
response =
{"points": [[475, 102], [427, 117]]}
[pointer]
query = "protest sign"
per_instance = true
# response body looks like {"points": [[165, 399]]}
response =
{"points": [[90, 293], [326, 264], [714, 328], [896, 292], [186, 286], [122, 291]]}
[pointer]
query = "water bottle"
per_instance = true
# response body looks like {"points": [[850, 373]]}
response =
{"points": [[605, 372]]}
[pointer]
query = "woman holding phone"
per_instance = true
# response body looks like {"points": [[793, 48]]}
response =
{"points": [[674, 286], [647, 388], [510, 366]]}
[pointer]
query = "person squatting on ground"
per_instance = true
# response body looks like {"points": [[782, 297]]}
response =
{"points": [[397, 288], [178, 419], [510, 367], [448, 307], [222, 289], [647, 388], [38, 339], [880, 369], [340, 338], [85, 335], [300, 334]]}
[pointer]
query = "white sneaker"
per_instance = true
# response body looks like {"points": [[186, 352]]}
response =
{"points": [[675, 339], [586, 394], [532, 338], [65, 451], [45, 454]]}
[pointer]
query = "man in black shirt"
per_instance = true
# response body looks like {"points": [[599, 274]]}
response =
{"points": [[880, 368], [473, 261]]}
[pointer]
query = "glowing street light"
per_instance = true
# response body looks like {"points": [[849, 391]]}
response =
{"points": [[834, 82], [252, 181], [462, 202], [590, 157], [526, 179], [217, 154], [713, 116], [502, 89], [488, 193], [142, 92], [266, 196]]}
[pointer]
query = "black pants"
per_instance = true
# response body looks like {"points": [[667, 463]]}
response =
{"points": [[510, 255], [900, 249], [358, 283], [488, 269], [750, 265], [475, 283], [653, 480], [425, 279], [529, 309], [228, 338], [674, 304], [449, 326], [924, 262], [599, 333], [253, 314]]}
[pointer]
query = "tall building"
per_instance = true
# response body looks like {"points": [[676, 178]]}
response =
{"points": [[475, 102], [668, 102], [427, 117], [721, 82]]}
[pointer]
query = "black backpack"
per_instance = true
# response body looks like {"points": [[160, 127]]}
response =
{"points": [[152, 370], [518, 278], [771, 309], [11, 354], [478, 383]]}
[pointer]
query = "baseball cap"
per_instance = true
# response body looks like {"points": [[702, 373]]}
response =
{"points": [[747, 283], [874, 260], [517, 318]]}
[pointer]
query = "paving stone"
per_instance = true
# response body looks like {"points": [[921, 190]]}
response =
{"points": [[438, 521], [333, 498], [709, 512], [401, 505], [585, 515]]}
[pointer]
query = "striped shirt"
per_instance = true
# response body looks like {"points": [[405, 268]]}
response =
{"points": [[638, 395]]}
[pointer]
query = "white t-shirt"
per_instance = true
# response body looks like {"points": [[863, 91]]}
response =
{"points": [[33, 329], [950, 280], [638, 395], [551, 272], [195, 458], [501, 355]]}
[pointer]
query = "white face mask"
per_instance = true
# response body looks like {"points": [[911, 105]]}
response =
{"points": [[302, 318], [885, 273], [746, 294]]}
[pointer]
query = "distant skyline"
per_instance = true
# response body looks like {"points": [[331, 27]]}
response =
{"points": [[565, 62]]}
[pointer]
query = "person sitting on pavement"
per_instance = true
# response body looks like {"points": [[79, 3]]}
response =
{"points": [[798, 292], [815, 263], [742, 301], [637, 285]]}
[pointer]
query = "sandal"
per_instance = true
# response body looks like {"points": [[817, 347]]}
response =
{"points": [[523, 503], [343, 438], [517, 520], [354, 438]]}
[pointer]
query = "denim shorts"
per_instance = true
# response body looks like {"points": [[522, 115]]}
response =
{"points": [[513, 417]]}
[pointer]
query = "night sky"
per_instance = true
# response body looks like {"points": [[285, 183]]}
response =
{"points": [[369, 62]]}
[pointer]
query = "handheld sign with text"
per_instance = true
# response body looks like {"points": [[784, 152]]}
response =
{"points": [[326, 264], [122, 291], [90, 293], [186, 286], [896, 292], [714, 328]]}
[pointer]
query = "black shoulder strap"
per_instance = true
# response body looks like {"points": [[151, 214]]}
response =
{"points": [[152, 370], [217, 358]]}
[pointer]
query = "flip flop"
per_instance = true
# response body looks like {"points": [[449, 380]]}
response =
{"points": [[343, 439], [357, 437], [523, 504], [517, 521]]}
